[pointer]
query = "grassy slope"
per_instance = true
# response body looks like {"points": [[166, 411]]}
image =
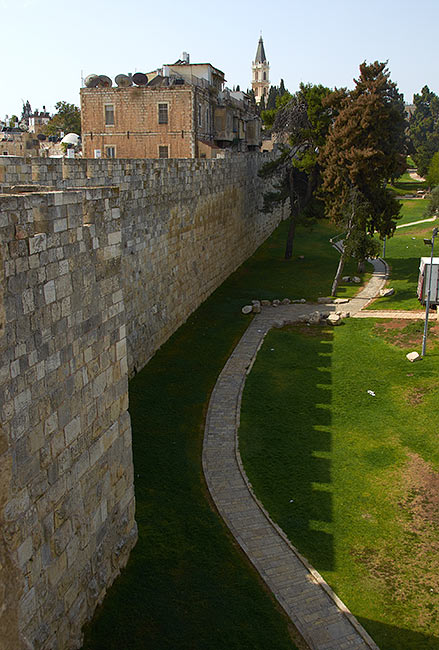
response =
{"points": [[185, 585], [329, 461]]}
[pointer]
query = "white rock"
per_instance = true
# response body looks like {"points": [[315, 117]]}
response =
{"points": [[334, 319], [413, 356], [276, 303], [256, 302], [346, 278], [341, 301], [325, 299], [356, 279], [247, 309], [286, 301], [386, 292], [257, 308]]}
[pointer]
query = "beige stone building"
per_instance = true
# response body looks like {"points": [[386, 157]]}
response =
{"points": [[182, 112], [15, 142]]}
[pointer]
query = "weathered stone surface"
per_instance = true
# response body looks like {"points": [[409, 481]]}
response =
{"points": [[346, 278], [356, 279], [314, 318], [323, 300], [413, 356], [341, 301], [98, 279], [266, 303], [286, 301], [275, 303], [257, 308], [247, 309]]}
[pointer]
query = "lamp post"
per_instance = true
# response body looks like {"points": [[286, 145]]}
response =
{"points": [[427, 242]]}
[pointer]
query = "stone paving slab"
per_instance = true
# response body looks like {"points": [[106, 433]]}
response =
{"points": [[321, 618]]}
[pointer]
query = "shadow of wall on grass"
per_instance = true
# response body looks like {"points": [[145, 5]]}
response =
{"points": [[303, 505], [391, 637]]}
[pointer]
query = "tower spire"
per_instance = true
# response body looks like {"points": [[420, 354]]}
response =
{"points": [[260, 72]]}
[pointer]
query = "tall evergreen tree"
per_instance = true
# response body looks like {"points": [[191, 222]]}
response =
{"points": [[366, 147], [424, 128]]}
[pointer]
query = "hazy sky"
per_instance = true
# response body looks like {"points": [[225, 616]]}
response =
{"points": [[46, 44]]}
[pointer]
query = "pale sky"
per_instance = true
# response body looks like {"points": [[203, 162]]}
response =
{"points": [[46, 44]]}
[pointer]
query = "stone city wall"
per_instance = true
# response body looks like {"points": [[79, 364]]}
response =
{"points": [[93, 281], [186, 225]]}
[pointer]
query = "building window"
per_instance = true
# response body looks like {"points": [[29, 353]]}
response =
{"points": [[163, 113], [109, 114], [110, 152], [256, 75], [199, 115], [265, 76], [207, 119], [163, 151]]}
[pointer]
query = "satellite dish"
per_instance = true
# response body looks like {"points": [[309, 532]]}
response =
{"points": [[103, 81], [140, 79], [91, 81], [123, 81]]}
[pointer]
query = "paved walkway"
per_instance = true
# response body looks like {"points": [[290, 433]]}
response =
{"points": [[320, 617], [415, 223]]}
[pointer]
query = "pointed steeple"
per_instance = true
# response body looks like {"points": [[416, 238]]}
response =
{"points": [[260, 52]]}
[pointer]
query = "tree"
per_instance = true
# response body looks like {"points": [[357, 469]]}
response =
{"points": [[13, 121], [301, 123], [433, 207], [433, 171], [424, 128], [66, 120], [366, 146]]}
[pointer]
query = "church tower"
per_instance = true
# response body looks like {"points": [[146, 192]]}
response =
{"points": [[260, 73]]}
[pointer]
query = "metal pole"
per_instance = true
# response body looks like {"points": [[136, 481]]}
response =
{"points": [[427, 305], [384, 247]]}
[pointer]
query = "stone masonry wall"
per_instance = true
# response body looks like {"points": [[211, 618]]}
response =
{"points": [[66, 474], [186, 225], [92, 281]]}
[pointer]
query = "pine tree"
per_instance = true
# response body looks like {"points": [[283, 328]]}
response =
{"points": [[424, 128], [366, 147]]}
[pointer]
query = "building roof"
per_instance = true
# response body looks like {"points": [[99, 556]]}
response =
{"points": [[260, 52]]}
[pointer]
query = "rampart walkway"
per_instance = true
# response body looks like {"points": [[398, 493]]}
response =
{"points": [[318, 614]]}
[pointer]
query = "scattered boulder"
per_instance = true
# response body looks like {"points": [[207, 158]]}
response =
{"points": [[387, 292], [303, 318], [341, 301], [278, 324], [314, 318], [256, 302], [413, 356], [301, 257], [276, 303], [356, 279], [302, 300], [334, 319], [265, 303], [346, 278], [346, 314], [286, 301], [247, 309], [256, 307]]}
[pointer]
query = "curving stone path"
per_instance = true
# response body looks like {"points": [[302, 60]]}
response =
{"points": [[320, 617]]}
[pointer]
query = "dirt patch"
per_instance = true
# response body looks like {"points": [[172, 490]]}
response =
{"points": [[415, 396], [404, 333], [408, 567]]}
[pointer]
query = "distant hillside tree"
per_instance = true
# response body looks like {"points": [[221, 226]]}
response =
{"points": [[424, 128], [67, 119]]}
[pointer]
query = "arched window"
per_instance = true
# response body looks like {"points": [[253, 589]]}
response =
{"points": [[256, 75], [265, 76]]}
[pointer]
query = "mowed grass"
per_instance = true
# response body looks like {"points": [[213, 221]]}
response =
{"points": [[352, 478], [403, 253], [186, 584], [413, 210]]}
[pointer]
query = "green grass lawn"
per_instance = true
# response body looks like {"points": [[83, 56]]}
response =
{"points": [[403, 253], [406, 185], [186, 585], [413, 210], [353, 478]]}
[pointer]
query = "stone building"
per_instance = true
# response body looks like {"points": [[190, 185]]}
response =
{"points": [[16, 142], [38, 120], [260, 73], [182, 112]]}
